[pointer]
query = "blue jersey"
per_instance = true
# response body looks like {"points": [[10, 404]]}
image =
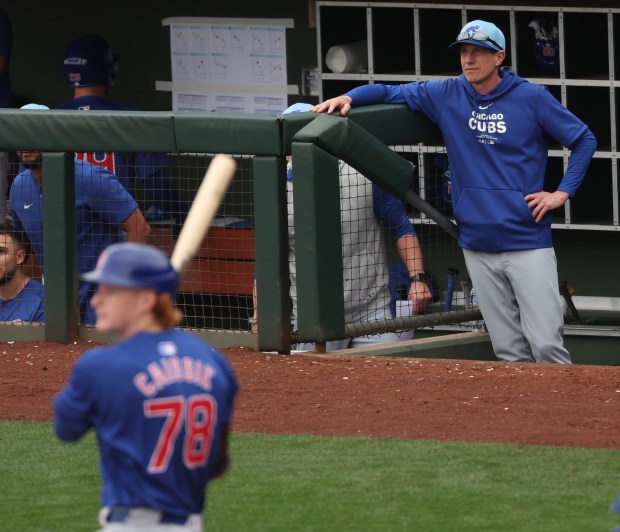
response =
{"points": [[158, 402], [26, 306], [391, 212], [497, 152], [6, 45], [101, 205], [125, 166]]}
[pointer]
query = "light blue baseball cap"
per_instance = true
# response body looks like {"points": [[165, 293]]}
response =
{"points": [[481, 33], [298, 108], [35, 106]]}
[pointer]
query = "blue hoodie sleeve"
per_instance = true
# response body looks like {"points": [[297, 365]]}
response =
{"points": [[391, 213], [563, 126], [578, 162], [74, 405], [375, 93], [425, 96]]}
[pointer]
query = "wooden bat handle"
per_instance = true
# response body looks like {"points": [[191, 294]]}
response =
{"points": [[204, 208]]}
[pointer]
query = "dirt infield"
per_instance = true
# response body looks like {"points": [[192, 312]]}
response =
{"points": [[372, 396]]}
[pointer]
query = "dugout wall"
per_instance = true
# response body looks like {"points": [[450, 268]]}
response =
{"points": [[262, 143]]}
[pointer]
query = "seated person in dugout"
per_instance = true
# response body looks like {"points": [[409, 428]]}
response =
{"points": [[21, 297], [365, 208], [106, 213], [90, 69]]}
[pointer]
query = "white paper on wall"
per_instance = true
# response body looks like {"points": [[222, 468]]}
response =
{"points": [[229, 65]]}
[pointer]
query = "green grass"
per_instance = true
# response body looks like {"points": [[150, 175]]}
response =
{"points": [[303, 483]]}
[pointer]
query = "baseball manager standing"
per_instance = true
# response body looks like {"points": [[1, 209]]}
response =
{"points": [[161, 400], [495, 125]]}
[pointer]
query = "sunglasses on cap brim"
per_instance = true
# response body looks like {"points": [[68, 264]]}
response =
{"points": [[477, 36]]}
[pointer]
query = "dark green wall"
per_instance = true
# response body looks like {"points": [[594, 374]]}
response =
{"points": [[134, 30], [589, 260]]}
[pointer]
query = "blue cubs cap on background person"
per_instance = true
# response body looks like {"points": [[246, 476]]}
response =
{"points": [[481, 33], [132, 265], [89, 61], [298, 108]]}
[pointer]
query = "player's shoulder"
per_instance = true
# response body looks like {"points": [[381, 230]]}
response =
{"points": [[87, 170], [434, 87], [33, 285], [188, 342], [24, 176], [106, 104], [531, 88], [533, 96], [67, 105], [23, 187], [93, 103], [511, 81]]}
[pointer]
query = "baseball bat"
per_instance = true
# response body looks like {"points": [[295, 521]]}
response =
{"points": [[204, 208], [452, 273], [466, 287]]}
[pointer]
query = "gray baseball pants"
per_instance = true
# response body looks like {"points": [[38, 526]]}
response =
{"points": [[520, 302]]}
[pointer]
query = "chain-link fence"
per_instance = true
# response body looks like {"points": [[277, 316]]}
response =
{"points": [[144, 196]]}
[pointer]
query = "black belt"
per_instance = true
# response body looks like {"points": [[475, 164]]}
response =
{"points": [[120, 515]]}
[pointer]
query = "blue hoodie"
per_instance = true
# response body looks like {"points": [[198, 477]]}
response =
{"points": [[497, 151]]}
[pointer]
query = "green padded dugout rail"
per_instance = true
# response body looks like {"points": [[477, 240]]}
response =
{"points": [[396, 124], [59, 235], [348, 141], [271, 221], [391, 124], [60, 130], [68, 130], [318, 254], [239, 133], [291, 123], [258, 134]]}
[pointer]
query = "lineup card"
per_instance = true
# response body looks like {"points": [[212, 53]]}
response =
{"points": [[236, 65]]}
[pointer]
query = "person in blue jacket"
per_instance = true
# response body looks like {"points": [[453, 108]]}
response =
{"points": [[90, 69], [161, 400], [495, 126], [21, 297], [366, 210], [105, 213]]}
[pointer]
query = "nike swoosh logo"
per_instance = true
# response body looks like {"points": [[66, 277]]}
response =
{"points": [[485, 107], [28, 205]]}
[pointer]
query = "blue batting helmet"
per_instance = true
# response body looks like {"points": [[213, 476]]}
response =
{"points": [[89, 61], [132, 265]]}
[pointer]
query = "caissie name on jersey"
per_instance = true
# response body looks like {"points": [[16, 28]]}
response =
{"points": [[173, 369]]}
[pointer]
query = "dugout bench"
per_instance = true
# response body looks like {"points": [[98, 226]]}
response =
{"points": [[216, 288], [223, 265]]}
